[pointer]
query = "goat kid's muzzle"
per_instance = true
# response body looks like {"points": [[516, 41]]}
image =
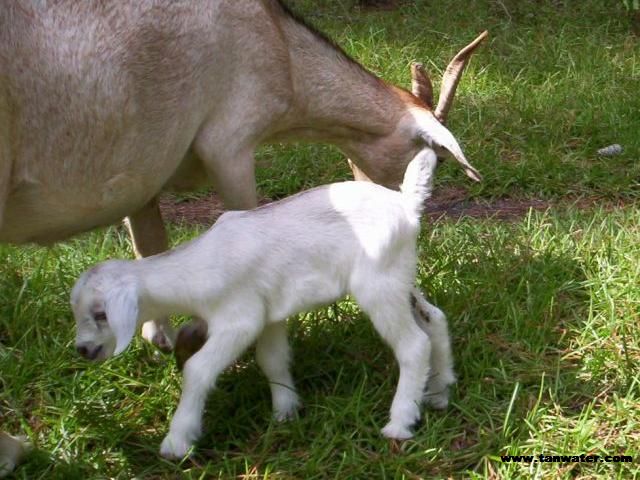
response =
{"points": [[91, 351]]}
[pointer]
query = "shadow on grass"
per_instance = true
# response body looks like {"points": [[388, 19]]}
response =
{"points": [[514, 311], [514, 304]]}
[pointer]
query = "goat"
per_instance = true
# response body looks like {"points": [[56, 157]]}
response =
{"points": [[102, 106], [308, 250]]}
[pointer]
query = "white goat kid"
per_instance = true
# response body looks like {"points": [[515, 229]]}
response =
{"points": [[308, 250]]}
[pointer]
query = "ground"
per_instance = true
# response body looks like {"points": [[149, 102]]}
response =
{"points": [[451, 203]]}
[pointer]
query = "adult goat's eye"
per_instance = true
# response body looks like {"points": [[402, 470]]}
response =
{"points": [[100, 317]]}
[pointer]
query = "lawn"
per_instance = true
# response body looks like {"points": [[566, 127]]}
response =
{"points": [[543, 308]]}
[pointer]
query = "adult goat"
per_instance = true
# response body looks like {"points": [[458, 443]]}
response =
{"points": [[105, 104]]}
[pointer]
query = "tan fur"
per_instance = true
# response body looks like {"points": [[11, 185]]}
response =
{"points": [[12, 450]]}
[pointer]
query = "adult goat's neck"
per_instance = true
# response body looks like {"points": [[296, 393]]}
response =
{"points": [[335, 100]]}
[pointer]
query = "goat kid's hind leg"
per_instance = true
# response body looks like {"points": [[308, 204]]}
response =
{"points": [[434, 323], [273, 355], [149, 237], [390, 313], [200, 372]]}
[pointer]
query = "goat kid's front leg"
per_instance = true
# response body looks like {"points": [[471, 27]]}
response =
{"points": [[149, 237], [200, 373], [273, 355]]}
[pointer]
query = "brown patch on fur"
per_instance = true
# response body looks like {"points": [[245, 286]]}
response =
{"points": [[417, 311], [408, 98]]}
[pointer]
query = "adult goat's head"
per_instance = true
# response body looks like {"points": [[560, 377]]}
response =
{"points": [[421, 125]]}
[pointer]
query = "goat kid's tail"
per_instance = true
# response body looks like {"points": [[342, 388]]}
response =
{"points": [[418, 182]]}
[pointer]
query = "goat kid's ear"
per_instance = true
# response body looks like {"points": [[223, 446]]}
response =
{"points": [[421, 85], [121, 307], [439, 138]]}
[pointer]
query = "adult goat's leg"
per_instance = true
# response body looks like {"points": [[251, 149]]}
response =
{"points": [[149, 237], [235, 181], [231, 167], [12, 449]]}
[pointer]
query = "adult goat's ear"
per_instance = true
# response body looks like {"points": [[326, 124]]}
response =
{"points": [[442, 141], [121, 307], [421, 85]]}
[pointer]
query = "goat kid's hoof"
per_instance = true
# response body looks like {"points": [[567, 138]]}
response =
{"points": [[287, 408], [285, 416], [437, 400], [397, 432], [289, 413], [173, 448]]}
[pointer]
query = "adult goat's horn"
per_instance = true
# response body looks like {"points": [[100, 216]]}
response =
{"points": [[452, 76]]}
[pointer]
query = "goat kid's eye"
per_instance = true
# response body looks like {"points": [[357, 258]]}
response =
{"points": [[100, 317]]}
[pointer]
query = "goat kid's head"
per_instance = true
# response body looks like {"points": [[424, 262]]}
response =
{"points": [[421, 126], [105, 307]]}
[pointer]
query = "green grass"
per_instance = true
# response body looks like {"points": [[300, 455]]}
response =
{"points": [[543, 309], [543, 314]]}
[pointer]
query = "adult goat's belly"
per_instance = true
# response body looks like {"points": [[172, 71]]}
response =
{"points": [[58, 201]]}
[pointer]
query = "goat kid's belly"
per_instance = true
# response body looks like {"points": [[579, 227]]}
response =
{"points": [[297, 294]]}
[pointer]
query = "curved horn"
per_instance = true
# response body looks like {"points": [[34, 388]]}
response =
{"points": [[452, 76]]}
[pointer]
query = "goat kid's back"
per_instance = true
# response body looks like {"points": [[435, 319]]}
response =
{"points": [[374, 214], [327, 240]]}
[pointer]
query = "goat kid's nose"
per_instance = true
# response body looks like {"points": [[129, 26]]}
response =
{"points": [[89, 351]]}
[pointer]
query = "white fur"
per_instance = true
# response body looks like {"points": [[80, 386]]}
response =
{"points": [[254, 269]]}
